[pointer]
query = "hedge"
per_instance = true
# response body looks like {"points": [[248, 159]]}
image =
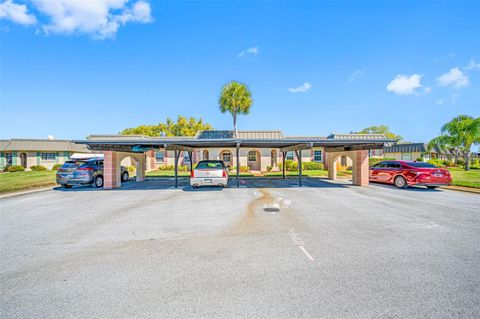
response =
{"points": [[16, 168], [55, 167], [38, 168]]}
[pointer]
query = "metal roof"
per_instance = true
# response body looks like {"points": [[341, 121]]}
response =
{"points": [[41, 145], [413, 148]]}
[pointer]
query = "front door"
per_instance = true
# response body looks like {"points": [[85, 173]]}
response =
{"points": [[23, 159]]}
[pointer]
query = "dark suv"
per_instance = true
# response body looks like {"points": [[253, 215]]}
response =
{"points": [[84, 172]]}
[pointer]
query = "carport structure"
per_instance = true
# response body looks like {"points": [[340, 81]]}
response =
{"points": [[355, 146]]}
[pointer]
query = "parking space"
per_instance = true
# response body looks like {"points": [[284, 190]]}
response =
{"points": [[268, 249]]}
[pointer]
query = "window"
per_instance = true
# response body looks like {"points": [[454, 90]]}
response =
{"points": [[8, 158], [226, 156], [210, 164], [159, 156], [186, 158], [394, 165], [252, 156], [317, 155], [289, 156], [48, 156]]}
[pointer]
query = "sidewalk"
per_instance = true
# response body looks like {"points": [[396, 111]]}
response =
{"points": [[463, 189], [26, 192]]}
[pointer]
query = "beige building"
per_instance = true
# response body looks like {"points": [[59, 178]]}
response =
{"points": [[29, 152], [414, 151]]}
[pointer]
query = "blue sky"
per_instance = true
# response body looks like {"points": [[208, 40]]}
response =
{"points": [[313, 67]]}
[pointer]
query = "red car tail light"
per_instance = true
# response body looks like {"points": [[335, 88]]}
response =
{"points": [[192, 174], [224, 173], [85, 169]]}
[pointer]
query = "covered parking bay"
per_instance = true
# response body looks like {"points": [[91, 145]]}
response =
{"points": [[355, 146]]}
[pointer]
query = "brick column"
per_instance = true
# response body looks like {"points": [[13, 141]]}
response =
{"points": [[140, 167], [361, 169], [331, 167], [111, 176]]}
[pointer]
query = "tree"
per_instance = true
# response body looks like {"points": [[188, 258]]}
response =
{"points": [[236, 99], [459, 135], [382, 129], [183, 127]]}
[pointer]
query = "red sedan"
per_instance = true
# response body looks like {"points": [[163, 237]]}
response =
{"points": [[406, 173]]}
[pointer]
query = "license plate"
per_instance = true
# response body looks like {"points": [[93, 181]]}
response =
{"points": [[438, 175], [207, 180]]}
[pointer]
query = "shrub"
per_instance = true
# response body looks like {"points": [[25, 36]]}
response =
{"points": [[131, 168], [436, 162], [166, 168], [54, 167], [244, 169], [269, 168], [460, 162], [448, 163], [183, 168], [16, 168], [313, 166], [38, 168], [419, 159], [373, 161]]}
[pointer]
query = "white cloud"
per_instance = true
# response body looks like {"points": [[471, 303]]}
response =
{"points": [[302, 88], [250, 51], [98, 18], [405, 85], [455, 78], [439, 102], [472, 65], [356, 74], [16, 12]]}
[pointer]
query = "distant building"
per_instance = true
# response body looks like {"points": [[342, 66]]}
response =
{"points": [[413, 151], [29, 152]]}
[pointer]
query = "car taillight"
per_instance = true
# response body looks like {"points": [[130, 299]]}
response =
{"points": [[417, 172], [192, 174], [85, 169], [224, 174]]}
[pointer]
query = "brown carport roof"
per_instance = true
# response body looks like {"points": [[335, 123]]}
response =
{"points": [[260, 139]]}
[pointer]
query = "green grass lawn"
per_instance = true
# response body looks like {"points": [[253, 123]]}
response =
{"points": [[159, 173], [11, 182], [308, 173], [461, 177]]}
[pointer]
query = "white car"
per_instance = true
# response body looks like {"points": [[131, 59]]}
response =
{"points": [[209, 173]]}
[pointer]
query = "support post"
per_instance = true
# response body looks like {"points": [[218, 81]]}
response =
{"points": [[237, 155], [283, 164], [191, 162], [176, 168], [300, 167]]}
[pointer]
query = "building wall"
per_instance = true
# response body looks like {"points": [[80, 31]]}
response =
{"points": [[35, 158], [263, 157]]}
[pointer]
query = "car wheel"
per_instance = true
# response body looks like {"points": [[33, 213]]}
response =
{"points": [[400, 182], [125, 177], [432, 187], [66, 186], [98, 181]]}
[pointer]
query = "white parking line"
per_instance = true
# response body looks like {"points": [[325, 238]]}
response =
{"points": [[306, 253], [299, 242]]}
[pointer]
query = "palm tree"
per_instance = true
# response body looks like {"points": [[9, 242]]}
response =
{"points": [[459, 135], [236, 99]]}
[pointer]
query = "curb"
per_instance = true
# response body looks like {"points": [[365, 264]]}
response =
{"points": [[470, 190], [27, 192]]}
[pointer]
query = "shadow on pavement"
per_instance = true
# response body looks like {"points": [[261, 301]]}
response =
{"points": [[156, 183]]}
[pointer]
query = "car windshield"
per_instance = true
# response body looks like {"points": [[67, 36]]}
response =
{"points": [[73, 164], [210, 165], [421, 164]]}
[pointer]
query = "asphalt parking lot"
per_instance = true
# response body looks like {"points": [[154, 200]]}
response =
{"points": [[268, 249]]}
